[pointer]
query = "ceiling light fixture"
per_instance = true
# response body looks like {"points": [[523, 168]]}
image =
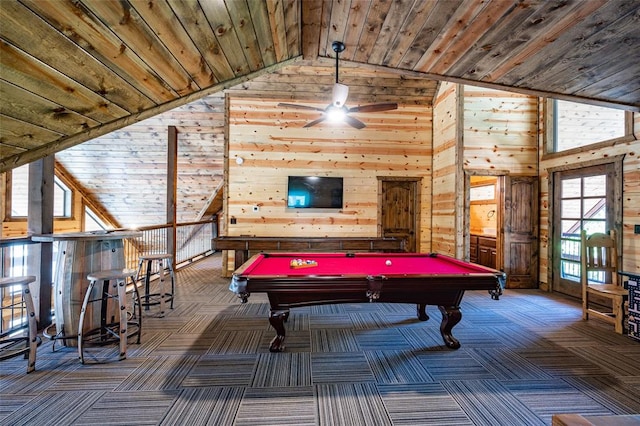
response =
{"points": [[335, 114], [336, 111]]}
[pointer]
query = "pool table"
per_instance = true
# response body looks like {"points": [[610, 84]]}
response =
{"points": [[304, 279]]}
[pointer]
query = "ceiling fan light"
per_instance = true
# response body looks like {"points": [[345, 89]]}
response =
{"points": [[335, 115]]}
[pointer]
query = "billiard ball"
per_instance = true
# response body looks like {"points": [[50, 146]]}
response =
{"points": [[388, 263]]}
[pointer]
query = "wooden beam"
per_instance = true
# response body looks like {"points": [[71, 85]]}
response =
{"points": [[172, 187], [19, 159], [210, 201], [40, 221]]}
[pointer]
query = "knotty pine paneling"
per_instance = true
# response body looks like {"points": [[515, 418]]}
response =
{"points": [[482, 219], [500, 131], [445, 170], [274, 145], [313, 80], [495, 131], [543, 210], [631, 202]]}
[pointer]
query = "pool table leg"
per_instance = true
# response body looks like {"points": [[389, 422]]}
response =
{"points": [[422, 312], [450, 316], [277, 319]]}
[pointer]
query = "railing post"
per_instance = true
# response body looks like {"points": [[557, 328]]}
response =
{"points": [[40, 221], [172, 188]]}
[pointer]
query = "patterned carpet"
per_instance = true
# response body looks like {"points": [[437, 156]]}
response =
{"points": [[523, 358]]}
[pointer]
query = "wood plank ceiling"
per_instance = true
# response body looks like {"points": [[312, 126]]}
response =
{"points": [[72, 70]]}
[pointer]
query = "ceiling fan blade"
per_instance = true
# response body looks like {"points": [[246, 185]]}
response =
{"points": [[300, 106], [340, 94], [375, 107], [314, 122], [354, 122]]}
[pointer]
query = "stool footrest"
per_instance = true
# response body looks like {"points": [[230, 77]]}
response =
{"points": [[161, 295], [109, 333], [14, 346], [153, 299]]}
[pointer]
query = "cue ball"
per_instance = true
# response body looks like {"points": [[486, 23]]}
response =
{"points": [[388, 263]]}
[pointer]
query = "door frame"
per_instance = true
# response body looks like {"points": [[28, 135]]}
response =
{"points": [[616, 220], [417, 181], [500, 175]]}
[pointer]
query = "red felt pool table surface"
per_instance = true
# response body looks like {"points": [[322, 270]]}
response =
{"points": [[420, 278], [341, 264]]}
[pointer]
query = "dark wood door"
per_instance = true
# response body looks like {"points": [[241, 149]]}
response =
{"points": [[521, 231], [398, 210]]}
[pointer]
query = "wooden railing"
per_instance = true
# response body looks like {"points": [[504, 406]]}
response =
{"points": [[13, 256], [193, 241], [570, 260]]}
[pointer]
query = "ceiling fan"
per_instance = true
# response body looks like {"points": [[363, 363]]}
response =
{"points": [[337, 110]]}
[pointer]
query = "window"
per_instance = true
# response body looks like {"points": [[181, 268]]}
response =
{"points": [[483, 193], [19, 190], [92, 222], [61, 199], [576, 125]]}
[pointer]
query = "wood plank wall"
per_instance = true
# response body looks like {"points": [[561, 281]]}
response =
{"points": [[446, 170], [500, 132], [313, 80], [488, 130], [274, 145], [631, 202]]}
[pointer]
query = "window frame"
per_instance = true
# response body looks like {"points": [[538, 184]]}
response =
{"points": [[88, 211], [550, 122], [68, 201], [483, 200]]}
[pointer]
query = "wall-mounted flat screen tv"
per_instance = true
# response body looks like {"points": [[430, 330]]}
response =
{"points": [[314, 192]]}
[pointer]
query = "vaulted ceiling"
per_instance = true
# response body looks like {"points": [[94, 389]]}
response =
{"points": [[72, 70]]}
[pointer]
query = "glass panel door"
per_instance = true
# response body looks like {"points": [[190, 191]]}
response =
{"points": [[583, 200]]}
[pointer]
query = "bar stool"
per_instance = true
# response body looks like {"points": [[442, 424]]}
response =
{"points": [[112, 298], [162, 296], [11, 345]]}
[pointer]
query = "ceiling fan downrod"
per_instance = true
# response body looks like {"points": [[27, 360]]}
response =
{"points": [[337, 47]]}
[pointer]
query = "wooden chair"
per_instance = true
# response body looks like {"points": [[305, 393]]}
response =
{"points": [[599, 255]]}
